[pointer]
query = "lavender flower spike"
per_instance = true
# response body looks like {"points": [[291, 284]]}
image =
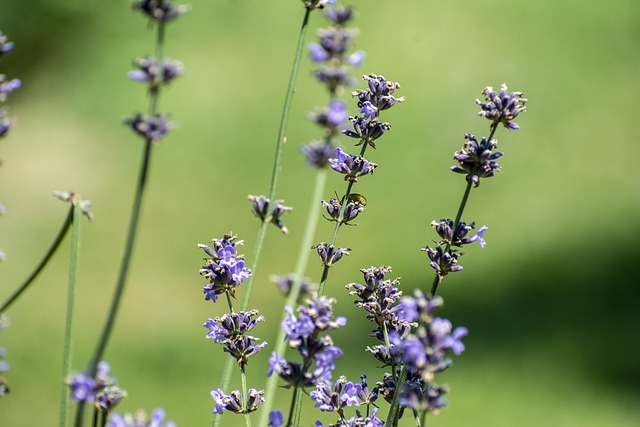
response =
{"points": [[351, 166], [502, 107]]}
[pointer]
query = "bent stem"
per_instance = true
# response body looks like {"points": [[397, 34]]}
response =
{"points": [[47, 256], [262, 231], [73, 269]]}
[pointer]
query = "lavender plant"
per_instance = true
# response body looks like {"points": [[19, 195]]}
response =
{"points": [[411, 343]]}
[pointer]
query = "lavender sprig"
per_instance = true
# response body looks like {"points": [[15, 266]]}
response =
{"points": [[477, 161]]}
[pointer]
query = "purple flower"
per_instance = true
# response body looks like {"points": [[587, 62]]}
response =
{"points": [[443, 261], [318, 53], [276, 418], [351, 166], [502, 107], [370, 112], [332, 399], [317, 153], [476, 159], [5, 45], [285, 283], [161, 11], [155, 72], [140, 419], [339, 15], [262, 209], [234, 402], [329, 254], [334, 208], [152, 128], [477, 237], [8, 86], [108, 398], [379, 93], [295, 328], [365, 130], [85, 387]]}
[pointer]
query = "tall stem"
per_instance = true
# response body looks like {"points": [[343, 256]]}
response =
{"points": [[301, 265], [131, 235], [68, 335], [47, 256], [262, 231]]}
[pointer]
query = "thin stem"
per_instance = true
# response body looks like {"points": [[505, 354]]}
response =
{"points": [[465, 197], [298, 409], [392, 417], [131, 235], [301, 265], [47, 256], [292, 408], [423, 418], [226, 371], [247, 418], [287, 105], [73, 269]]}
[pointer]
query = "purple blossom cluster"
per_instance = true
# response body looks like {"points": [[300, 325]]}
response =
{"points": [[335, 209], [307, 334], [333, 54], [101, 389], [234, 402], [155, 72], [225, 269], [477, 159], [262, 209], [6, 87], [333, 50], [231, 330], [140, 419], [285, 283], [378, 297], [502, 107]]}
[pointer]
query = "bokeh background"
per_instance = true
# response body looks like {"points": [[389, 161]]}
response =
{"points": [[551, 302]]}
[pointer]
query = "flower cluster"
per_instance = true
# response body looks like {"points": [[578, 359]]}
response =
{"points": [[332, 53], [502, 107], [329, 254], [285, 283], [378, 297], [225, 269], [155, 72], [350, 166], [263, 210], [350, 212], [476, 159], [307, 333], [423, 352], [317, 4], [99, 390], [160, 11], [140, 419], [231, 331], [6, 87], [74, 198], [234, 402]]}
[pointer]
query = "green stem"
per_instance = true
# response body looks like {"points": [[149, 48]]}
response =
{"points": [[465, 197], [287, 105], [247, 418], [417, 418], [47, 256], [73, 269], [298, 409], [392, 417], [226, 371], [423, 418], [131, 235], [292, 408], [301, 266]]}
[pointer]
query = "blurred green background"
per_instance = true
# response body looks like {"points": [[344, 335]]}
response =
{"points": [[551, 302]]}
